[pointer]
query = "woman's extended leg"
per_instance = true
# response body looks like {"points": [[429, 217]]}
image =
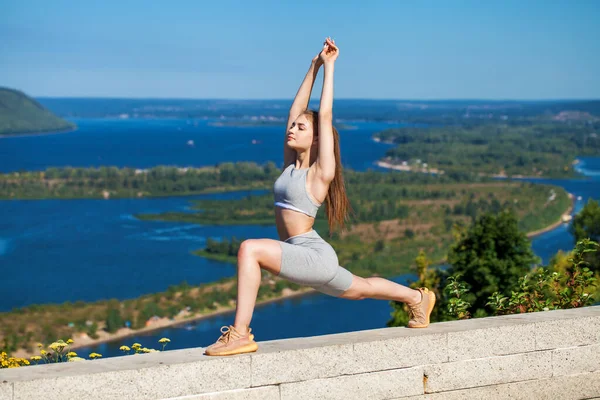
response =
{"points": [[381, 289], [420, 302]]}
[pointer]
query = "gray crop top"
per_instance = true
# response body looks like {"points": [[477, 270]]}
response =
{"points": [[290, 191]]}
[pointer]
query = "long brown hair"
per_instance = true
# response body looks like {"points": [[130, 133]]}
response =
{"points": [[338, 205]]}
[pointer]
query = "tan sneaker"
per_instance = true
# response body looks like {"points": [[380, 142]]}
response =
{"points": [[420, 312], [232, 342]]}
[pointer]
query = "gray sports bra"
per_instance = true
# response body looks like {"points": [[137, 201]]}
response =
{"points": [[290, 191]]}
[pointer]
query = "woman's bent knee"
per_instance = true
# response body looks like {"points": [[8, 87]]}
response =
{"points": [[247, 248], [266, 252]]}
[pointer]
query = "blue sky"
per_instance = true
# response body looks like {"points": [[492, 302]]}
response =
{"points": [[411, 49]]}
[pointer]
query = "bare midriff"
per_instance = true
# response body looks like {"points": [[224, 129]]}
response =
{"points": [[291, 223]]}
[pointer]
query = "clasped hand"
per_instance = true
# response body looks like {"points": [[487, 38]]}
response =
{"points": [[328, 54]]}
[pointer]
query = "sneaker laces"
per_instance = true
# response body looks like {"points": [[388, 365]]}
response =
{"points": [[416, 311], [227, 332]]}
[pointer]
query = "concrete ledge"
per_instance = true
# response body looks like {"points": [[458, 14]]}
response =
{"points": [[155, 382], [488, 371], [554, 334], [6, 390], [583, 386], [376, 385], [576, 360], [489, 342], [261, 393], [468, 359]]}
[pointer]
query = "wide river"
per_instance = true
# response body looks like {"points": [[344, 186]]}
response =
{"points": [[59, 250]]}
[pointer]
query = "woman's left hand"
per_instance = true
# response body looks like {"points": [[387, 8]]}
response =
{"points": [[330, 51]]}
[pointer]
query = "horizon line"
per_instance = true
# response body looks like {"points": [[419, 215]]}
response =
{"points": [[316, 100]]}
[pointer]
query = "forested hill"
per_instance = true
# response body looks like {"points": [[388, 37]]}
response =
{"points": [[20, 113]]}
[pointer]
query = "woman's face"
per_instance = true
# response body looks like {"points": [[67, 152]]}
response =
{"points": [[300, 134]]}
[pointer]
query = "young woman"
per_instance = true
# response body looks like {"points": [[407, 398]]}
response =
{"points": [[312, 174]]}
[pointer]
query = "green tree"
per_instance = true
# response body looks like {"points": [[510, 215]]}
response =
{"points": [[114, 320], [150, 309], [491, 256], [586, 224], [91, 331]]}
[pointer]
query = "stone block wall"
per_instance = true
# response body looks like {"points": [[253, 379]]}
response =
{"points": [[546, 355]]}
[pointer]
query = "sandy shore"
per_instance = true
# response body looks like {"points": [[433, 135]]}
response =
{"points": [[557, 223], [406, 168]]}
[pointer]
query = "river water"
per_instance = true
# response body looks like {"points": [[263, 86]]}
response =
{"points": [[54, 251]]}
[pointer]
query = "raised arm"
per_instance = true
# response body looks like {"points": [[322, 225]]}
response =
{"points": [[300, 105], [326, 158]]}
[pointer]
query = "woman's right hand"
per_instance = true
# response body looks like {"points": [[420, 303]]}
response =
{"points": [[330, 51]]}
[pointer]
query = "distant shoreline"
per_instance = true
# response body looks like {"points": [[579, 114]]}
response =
{"points": [[407, 168], [39, 133], [557, 223], [268, 123]]}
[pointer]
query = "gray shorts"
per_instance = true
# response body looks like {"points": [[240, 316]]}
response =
{"points": [[307, 259]]}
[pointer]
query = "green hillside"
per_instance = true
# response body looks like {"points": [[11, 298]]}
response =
{"points": [[22, 114]]}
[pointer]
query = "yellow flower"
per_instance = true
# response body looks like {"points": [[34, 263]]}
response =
{"points": [[95, 355], [44, 352], [58, 346], [71, 354], [164, 340], [136, 346], [124, 348], [146, 350], [76, 359], [36, 358], [14, 362], [40, 345], [69, 341]]}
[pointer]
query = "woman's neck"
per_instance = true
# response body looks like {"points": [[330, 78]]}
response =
{"points": [[307, 157], [302, 160]]}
